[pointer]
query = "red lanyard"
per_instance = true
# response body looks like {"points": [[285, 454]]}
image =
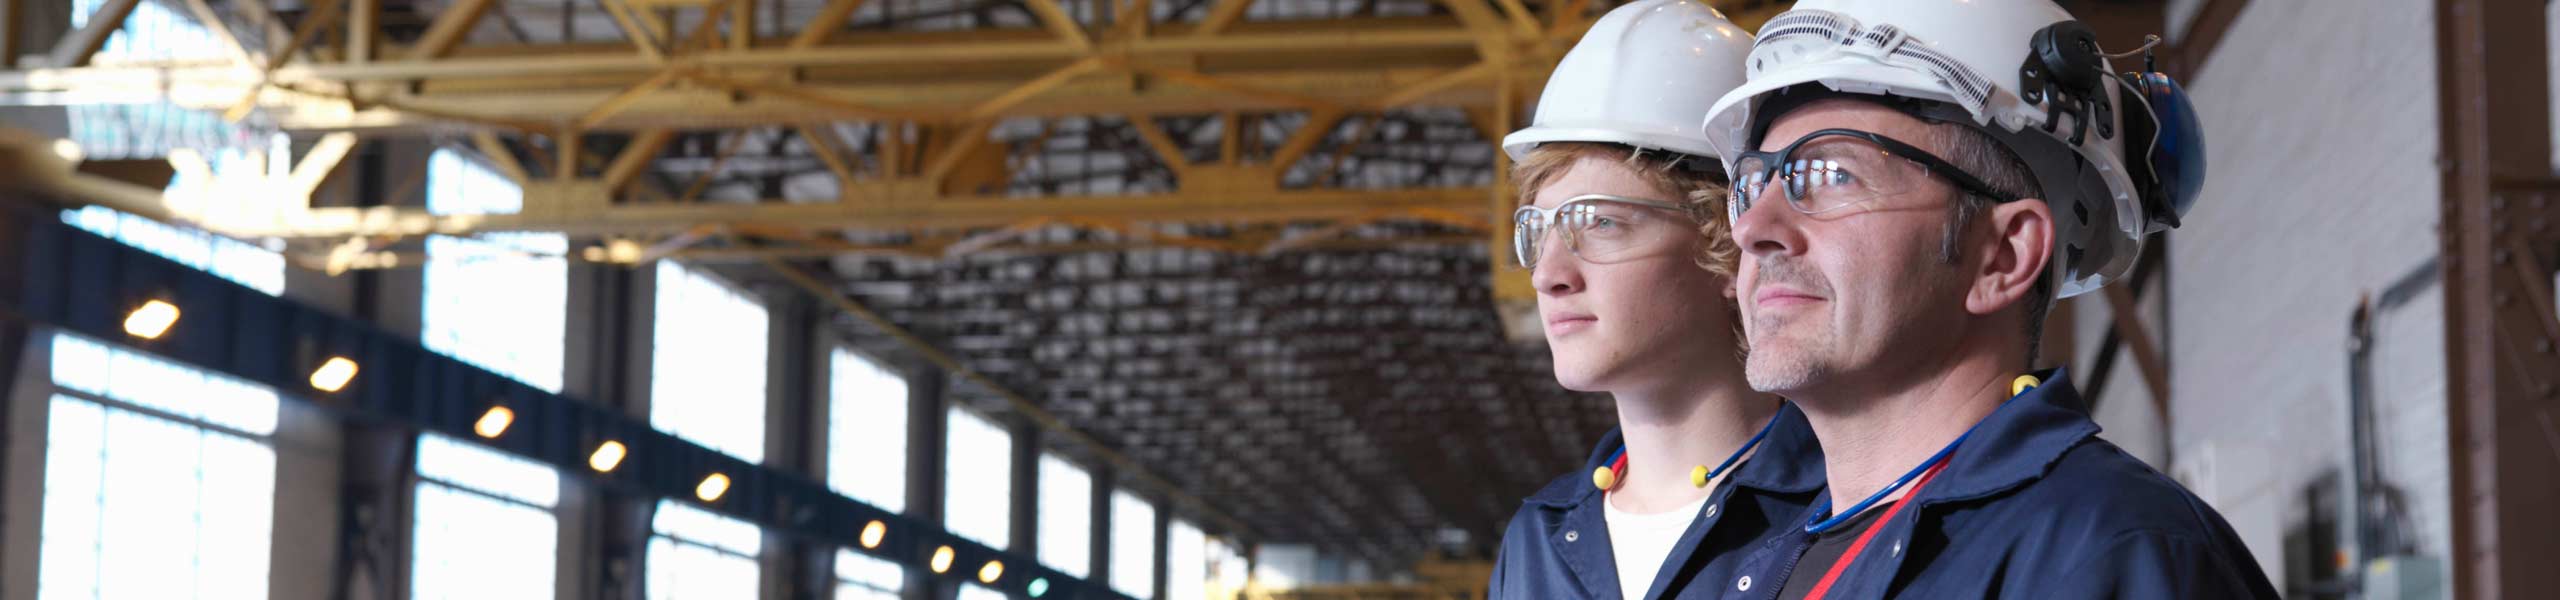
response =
{"points": [[1824, 586]]}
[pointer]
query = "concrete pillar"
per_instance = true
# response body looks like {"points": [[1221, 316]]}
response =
{"points": [[1104, 481], [927, 423], [793, 567], [1163, 553], [1026, 487]]}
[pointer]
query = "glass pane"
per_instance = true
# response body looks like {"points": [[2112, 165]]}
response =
{"points": [[498, 301], [154, 383], [856, 592], [80, 364], [864, 571], [709, 364], [1186, 559], [471, 546], [1133, 545], [1066, 516], [74, 477], [978, 480], [237, 514], [489, 471], [680, 571], [145, 380], [238, 405], [703, 527], [139, 506], [974, 591], [148, 550], [867, 432]]}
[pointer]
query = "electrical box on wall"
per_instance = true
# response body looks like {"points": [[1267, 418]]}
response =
{"points": [[2405, 577]]}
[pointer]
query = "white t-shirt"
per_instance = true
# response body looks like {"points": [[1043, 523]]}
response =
{"points": [[1641, 542]]}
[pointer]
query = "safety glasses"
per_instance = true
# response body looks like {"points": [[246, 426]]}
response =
{"points": [[1832, 169], [1598, 228]]}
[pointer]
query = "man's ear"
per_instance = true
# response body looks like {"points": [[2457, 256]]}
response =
{"points": [[2021, 247]]}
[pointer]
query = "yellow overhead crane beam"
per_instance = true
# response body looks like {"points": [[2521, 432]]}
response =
{"points": [[1487, 57], [941, 77]]}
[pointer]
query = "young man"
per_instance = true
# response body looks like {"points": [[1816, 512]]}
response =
{"points": [[1924, 177], [1622, 226]]}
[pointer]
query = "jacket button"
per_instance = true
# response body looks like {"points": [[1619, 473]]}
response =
{"points": [[1897, 548], [1743, 585], [1571, 536], [1711, 510]]}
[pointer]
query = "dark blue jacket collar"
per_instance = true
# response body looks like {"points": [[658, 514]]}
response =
{"points": [[1788, 461], [2018, 443]]}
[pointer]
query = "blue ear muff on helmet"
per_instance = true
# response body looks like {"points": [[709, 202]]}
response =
{"points": [[2172, 172]]}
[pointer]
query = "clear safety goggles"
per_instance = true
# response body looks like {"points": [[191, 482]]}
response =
{"points": [[1833, 169], [1598, 228]]}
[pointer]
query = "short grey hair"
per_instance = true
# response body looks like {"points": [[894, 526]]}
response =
{"points": [[1977, 153]]}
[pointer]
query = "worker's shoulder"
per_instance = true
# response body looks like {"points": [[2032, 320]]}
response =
{"points": [[2097, 490]]}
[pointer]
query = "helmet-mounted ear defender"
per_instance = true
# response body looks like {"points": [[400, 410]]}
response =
{"points": [[2164, 142], [2065, 70], [2171, 174]]}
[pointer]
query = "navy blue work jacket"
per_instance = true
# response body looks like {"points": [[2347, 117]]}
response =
{"points": [[1557, 546], [2034, 505]]}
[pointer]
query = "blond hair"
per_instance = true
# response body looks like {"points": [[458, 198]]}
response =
{"points": [[1700, 191]]}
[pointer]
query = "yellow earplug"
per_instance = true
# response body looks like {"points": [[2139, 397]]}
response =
{"points": [[2023, 383], [1604, 478], [1698, 476]]}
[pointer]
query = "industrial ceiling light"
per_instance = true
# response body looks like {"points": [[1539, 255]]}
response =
{"points": [[872, 533], [333, 375], [151, 319], [942, 559], [990, 573], [1039, 587], [712, 487], [494, 423], [608, 455]]}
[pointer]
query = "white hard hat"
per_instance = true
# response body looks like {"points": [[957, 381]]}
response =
{"points": [[2022, 71], [1643, 76]]}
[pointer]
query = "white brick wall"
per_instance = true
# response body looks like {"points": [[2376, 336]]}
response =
{"points": [[2322, 126]]}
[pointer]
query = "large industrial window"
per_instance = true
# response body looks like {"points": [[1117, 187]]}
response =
{"points": [[867, 432], [697, 554], [159, 479], [500, 300], [1133, 545], [864, 577], [708, 387], [977, 480], [708, 364], [1186, 562], [484, 524], [1066, 516], [866, 460], [224, 257]]}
